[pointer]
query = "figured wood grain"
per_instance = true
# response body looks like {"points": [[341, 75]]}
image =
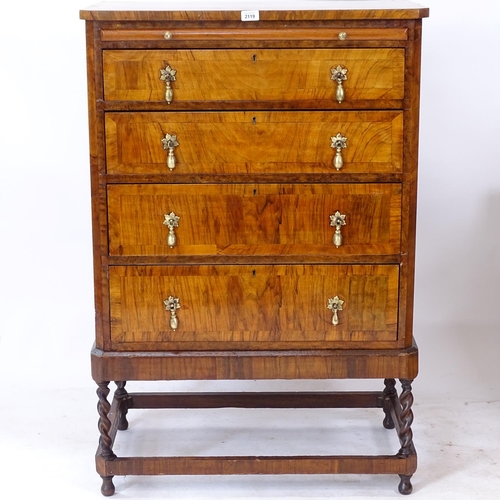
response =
{"points": [[257, 74], [100, 322], [295, 10], [252, 365], [254, 303], [254, 219], [348, 464], [254, 142], [411, 147]]}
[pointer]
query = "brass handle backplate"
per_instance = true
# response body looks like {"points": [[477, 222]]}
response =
{"points": [[171, 221], [167, 75], [337, 220], [169, 143], [335, 305], [339, 75], [171, 305], [339, 142]]}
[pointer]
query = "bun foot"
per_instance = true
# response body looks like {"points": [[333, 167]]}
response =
{"points": [[388, 423], [107, 488], [405, 487], [123, 422]]}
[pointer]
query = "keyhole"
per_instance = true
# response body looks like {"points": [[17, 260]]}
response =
{"points": [[254, 273], [254, 58], [254, 120], [255, 192]]}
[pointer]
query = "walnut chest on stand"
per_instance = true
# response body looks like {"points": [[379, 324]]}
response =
{"points": [[254, 179]]}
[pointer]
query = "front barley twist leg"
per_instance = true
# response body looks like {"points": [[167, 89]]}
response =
{"points": [[122, 394], [389, 391], [104, 424], [105, 441], [405, 432]]}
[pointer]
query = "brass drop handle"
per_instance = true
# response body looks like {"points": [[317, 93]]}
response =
{"points": [[339, 75], [337, 220], [169, 143], [171, 221], [339, 142], [335, 305], [171, 305], [167, 75]]}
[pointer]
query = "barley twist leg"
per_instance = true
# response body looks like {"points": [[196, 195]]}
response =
{"points": [[405, 433], [122, 394], [105, 441], [390, 390]]}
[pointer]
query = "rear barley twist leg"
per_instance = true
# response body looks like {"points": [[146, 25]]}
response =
{"points": [[390, 390], [122, 394]]}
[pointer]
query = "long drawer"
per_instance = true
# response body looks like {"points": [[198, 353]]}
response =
{"points": [[286, 306], [254, 219], [253, 75], [254, 142]]}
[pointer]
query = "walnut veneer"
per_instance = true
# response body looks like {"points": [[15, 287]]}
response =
{"points": [[254, 205]]}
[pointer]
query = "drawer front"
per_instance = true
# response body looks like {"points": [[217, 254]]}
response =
{"points": [[255, 142], [282, 305], [253, 75], [255, 219], [264, 34]]}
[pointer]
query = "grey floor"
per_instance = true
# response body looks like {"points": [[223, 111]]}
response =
{"points": [[48, 439]]}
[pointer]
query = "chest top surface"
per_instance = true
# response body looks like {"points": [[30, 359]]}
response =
{"points": [[196, 10]]}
